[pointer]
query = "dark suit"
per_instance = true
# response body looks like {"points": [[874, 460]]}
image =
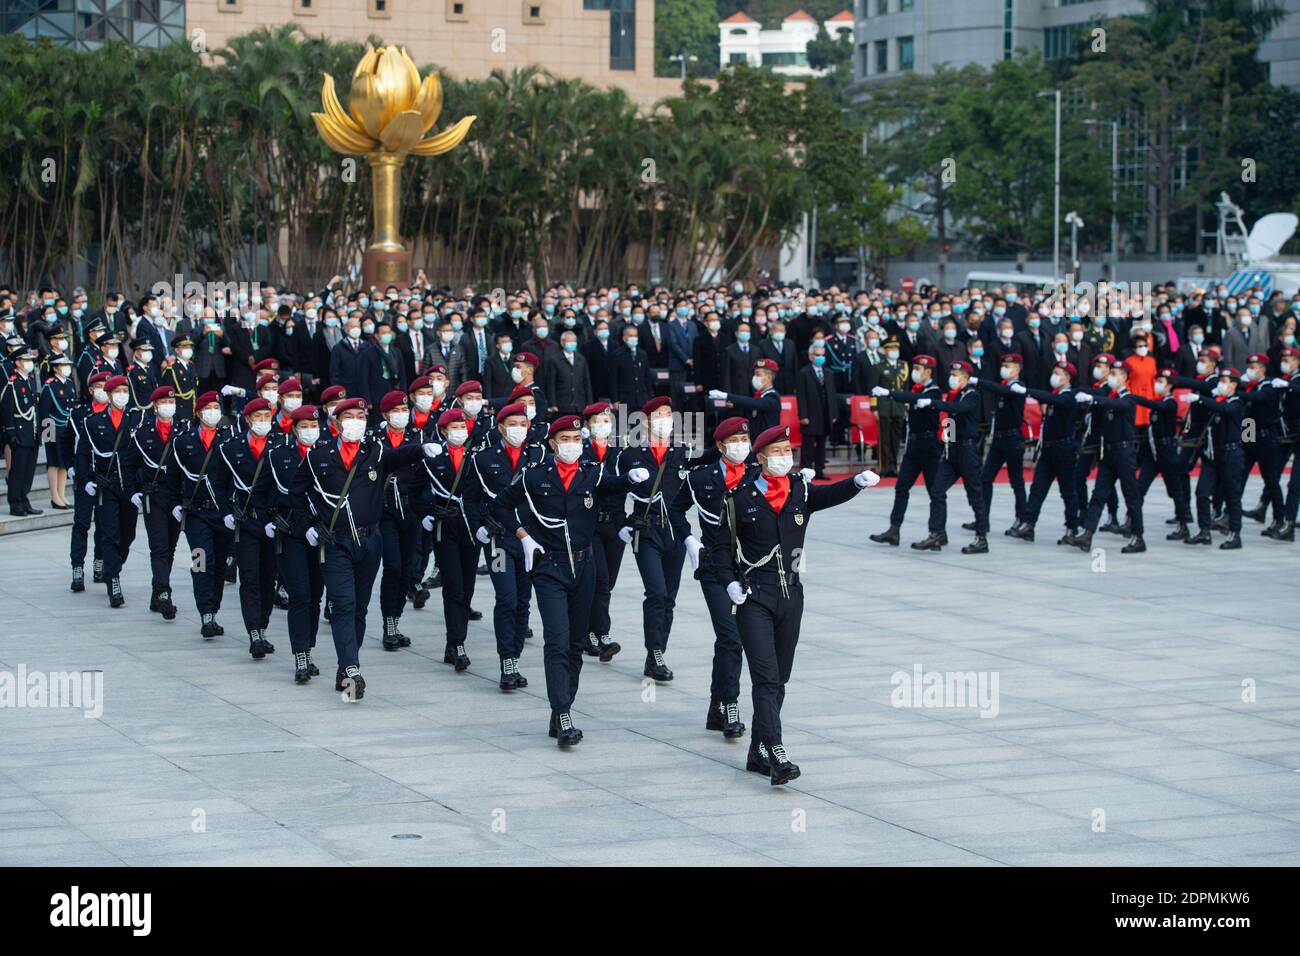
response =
{"points": [[782, 355], [1038, 356], [818, 406], [383, 371], [257, 344], [496, 380], [567, 384], [629, 380], [346, 367], [738, 367], [600, 365]]}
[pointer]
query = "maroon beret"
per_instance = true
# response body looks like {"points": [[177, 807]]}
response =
{"points": [[925, 361], [565, 423], [348, 404], [1069, 367], [266, 380], [391, 400], [1105, 358], [1290, 353], [332, 394], [1214, 352], [514, 408], [303, 413], [767, 364], [730, 426], [520, 391], [266, 364], [528, 357], [658, 402], [207, 398], [163, 391], [290, 385], [453, 415], [1258, 357], [597, 408], [775, 433], [99, 377], [256, 405], [962, 366], [1014, 357], [437, 370], [1166, 373], [419, 383], [1231, 373], [117, 381], [470, 385]]}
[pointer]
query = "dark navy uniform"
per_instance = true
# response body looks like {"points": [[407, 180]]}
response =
{"points": [[1159, 455], [83, 505], [19, 397], [1222, 462], [1116, 457], [142, 381], [252, 488], [763, 410], [922, 450], [150, 473], [1057, 450], [446, 479], [1090, 420], [1264, 415], [102, 462], [960, 458], [1289, 444], [201, 485], [1006, 443], [610, 518], [54, 412], [399, 528], [300, 567]]}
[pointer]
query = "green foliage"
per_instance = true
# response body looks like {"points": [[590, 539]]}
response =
{"points": [[687, 27]]}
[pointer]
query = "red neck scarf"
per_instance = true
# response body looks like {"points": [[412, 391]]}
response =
{"points": [[567, 471], [943, 416], [918, 388], [206, 435], [778, 490], [420, 418], [303, 450], [658, 451], [334, 431], [98, 408], [256, 445], [396, 438], [116, 415], [348, 451], [457, 453], [600, 448], [735, 471], [514, 453], [164, 430]]}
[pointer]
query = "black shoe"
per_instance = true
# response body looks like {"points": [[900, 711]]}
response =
{"points": [[282, 599], [210, 628], [1174, 520], [592, 647], [509, 679], [1256, 514], [301, 674], [115, 596], [1181, 533], [1135, 545], [608, 649], [312, 669], [259, 646], [757, 761], [1272, 530], [1126, 529], [455, 654], [1022, 531], [232, 573], [153, 601], [338, 679], [528, 635], [783, 771], [1286, 532], [656, 668], [475, 615], [433, 581], [1111, 527], [1233, 542], [390, 643], [562, 729], [78, 579], [886, 537], [99, 571], [483, 570], [932, 542], [1070, 539], [1201, 537], [165, 606], [714, 719], [979, 546], [354, 685], [731, 725], [1083, 540], [968, 526], [418, 597], [1220, 524]]}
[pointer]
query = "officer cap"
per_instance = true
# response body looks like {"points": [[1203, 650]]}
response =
{"points": [[267, 365], [333, 394], [138, 343], [1105, 358], [163, 391], [348, 404], [565, 423], [207, 398], [437, 370], [419, 383], [963, 366], [1231, 373], [290, 385], [768, 365], [926, 361], [256, 405], [1214, 352], [660, 401], [470, 385], [514, 408], [266, 381], [27, 354], [182, 341], [60, 360], [1069, 367], [1014, 357], [452, 416], [1257, 358], [391, 400], [117, 381], [520, 391], [109, 339], [730, 426], [597, 408], [528, 357], [1290, 353], [303, 413], [776, 433]]}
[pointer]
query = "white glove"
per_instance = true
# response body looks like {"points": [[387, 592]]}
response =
{"points": [[313, 538], [229, 522], [72, 473], [638, 475], [231, 390], [585, 432], [1018, 388], [717, 393], [974, 380], [1083, 398], [1281, 383], [866, 479], [427, 522], [176, 512], [880, 391], [737, 592], [432, 449], [625, 534], [137, 499], [807, 474], [693, 547], [482, 535], [269, 529], [1193, 397], [922, 403], [531, 549], [91, 488]]}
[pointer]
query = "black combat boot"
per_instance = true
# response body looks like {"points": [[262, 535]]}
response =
{"points": [[78, 579], [1135, 545], [1112, 526], [655, 666], [731, 725], [1201, 537], [99, 571], [1083, 540], [608, 649], [979, 546], [507, 681], [931, 542], [562, 729], [352, 683], [783, 771], [592, 647], [165, 606], [455, 654], [886, 537], [281, 598], [312, 669], [1181, 533], [1286, 532], [1071, 537], [390, 641], [1232, 543], [418, 596], [1022, 530], [258, 645], [1256, 514], [757, 761], [1272, 530], [210, 625], [714, 719], [968, 526], [301, 674], [115, 596]]}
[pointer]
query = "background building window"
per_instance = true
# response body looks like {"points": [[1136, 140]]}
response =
{"points": [[904, 53], [882, 56], [457, 10], [785, 59], [533, 12], [1008, 21], [622, 35], [379, 9], [882, 7]]}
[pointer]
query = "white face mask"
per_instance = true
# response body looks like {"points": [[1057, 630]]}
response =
{"points": [[473, 407], [1203, 368], [892, 355], [308, 436], [1141, 350], [63, 371], [517, 374], [1161, 388], [24, 368], [423, 403], [144, 358], [954, 382], [736, 451], [119, 399], [398, 421], [354, 332], [292, 404], [1006, 372], [1098, 373], [1057, 381], [916, 376], [515, 435], [457, 437], [165, 412], [272, 397], [1112, 381], [210, 417], [779, 465], [112, 353], [439, 387], [352, 429], [661, 427], [530, 410], [186, 354], [568, 451], [601, 429], [260, 429]]}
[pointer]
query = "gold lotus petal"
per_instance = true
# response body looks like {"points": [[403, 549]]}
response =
{"points": [[334, 110], [403, 132], [367, 104], [412, 78], [448, 139], [367, 63], [428, 102], [392, 80], [339, 139]]}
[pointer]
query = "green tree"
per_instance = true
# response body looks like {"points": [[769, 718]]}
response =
{"points": [[689, 28]]}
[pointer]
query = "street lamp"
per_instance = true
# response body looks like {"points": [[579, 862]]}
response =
{"points": [[1056, 209], [682, 58], [1076, 224], [1114, 192]]}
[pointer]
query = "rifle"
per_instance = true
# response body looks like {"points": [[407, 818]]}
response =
{"points": [[152, 486], [99, 498], [203, 470], [241, 514], [729, 505], [641, 522], [327, 534]]}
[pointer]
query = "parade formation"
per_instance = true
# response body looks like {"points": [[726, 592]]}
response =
{"points": [[308, 446]]}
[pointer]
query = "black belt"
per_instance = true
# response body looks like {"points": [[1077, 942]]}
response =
{"points": [[203, 506], [1121, 444], [963, 441], [764, 576], [1009, 433], [1058, 441], [561, 555]]}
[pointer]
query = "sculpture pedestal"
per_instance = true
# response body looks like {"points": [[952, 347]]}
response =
{"points": [[380, 269]]}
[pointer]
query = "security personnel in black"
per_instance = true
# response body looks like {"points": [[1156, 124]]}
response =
{"points": [[1057, 450], [469, 396], [1006, 439], [83, 505], [1116, 458], [140, 374], [659, 553], [704, 489], [404, 490], [103, 356], [551, 509], [249, 516], [179, 373], [922, 447], [345, 480], [1196, 422], [497, 464], [150, 470], [1090, 424], [763, 408], [1289, 442], [1263, 424], [1159, 453], [445, 480], [599, 452], [58, 399], [101, 469], [201, 486], [300, 567], [1221, 459], [758, 557], [19, 397], [959, 420]]}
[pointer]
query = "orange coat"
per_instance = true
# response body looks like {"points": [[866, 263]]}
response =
{"points": [[1142, 381]]}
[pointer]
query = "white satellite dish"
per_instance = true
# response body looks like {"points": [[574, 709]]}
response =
{"points": [[1270, 234]]}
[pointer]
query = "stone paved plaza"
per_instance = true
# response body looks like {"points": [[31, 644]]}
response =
{"points": [[1121, 734]]}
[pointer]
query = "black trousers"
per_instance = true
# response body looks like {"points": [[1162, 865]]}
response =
{"points": [[83, 514], [514, 591], [255, 557], [659, 558], [300, 571], [163, 532], [564, 601], [812, 453], [1220, 476], [1167, 463], [891, 429], [1291, 453], [401, 536], [962, 461], [725, 683], [350, 569], [768, 623], [608, 548], [1006, 450], [1117, 464], [1056, 463], [920, 459], [458, 561], [1265, 452], [1082, 469], [116, 518], [209, 543], [22, 471]]}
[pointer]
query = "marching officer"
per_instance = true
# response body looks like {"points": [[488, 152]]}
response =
{"points": [[201, 486], [1263, 415], [19, 397], [179, 373], [469, 396], [1221, 459], [959, 417], [922, 448], [1006, 443], [763, 408], [1159, 453], [140, 374], [610, 518], [300, 567], [1116, 457], [551, 509], [150, 471], [400, 525], [83, 505], [1289, 381], [102, 471], [758, 557], [342, 482], [704, 489], [1058, 449], [426, 407]]}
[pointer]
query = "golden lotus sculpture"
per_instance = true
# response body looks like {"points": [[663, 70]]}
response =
{"points": [[389, 112]]}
